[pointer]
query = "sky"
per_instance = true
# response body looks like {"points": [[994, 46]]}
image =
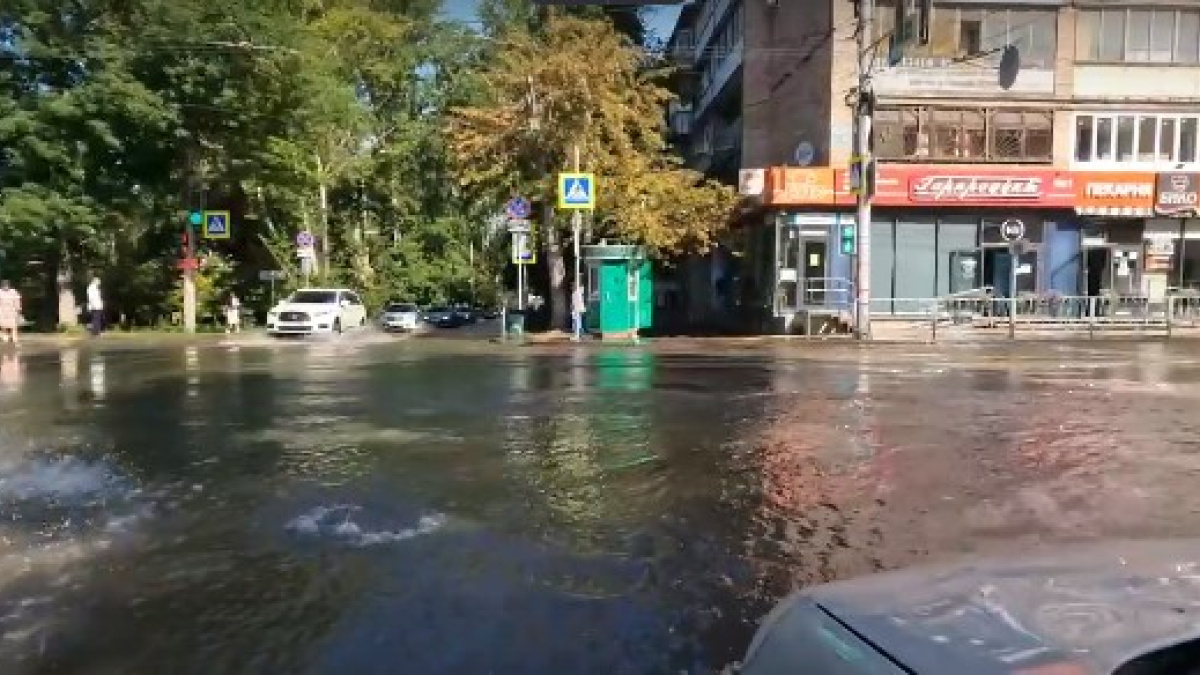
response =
{"points": [[661, 23]]}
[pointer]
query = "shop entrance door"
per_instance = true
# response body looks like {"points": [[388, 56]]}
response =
{"points": [[1097, 270], [997, 269]]}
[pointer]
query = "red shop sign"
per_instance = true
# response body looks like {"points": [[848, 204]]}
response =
{"points": [[973, 185]]}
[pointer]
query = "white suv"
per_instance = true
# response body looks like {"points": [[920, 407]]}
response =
{"points": [[317, 310]]}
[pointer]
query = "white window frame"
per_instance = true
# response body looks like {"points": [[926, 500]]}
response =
{"points": [[1177, 13], [1136, 163]]}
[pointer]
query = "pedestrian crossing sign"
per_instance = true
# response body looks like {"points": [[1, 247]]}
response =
{"points": [[576, 191], [216, 224]]}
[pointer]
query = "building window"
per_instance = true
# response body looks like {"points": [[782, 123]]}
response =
{"points": [[960, 31], [1138, 36], [976, 135], [1137, 139]]}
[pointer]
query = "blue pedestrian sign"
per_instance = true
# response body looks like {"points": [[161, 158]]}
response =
{"points": [[518, 208], [216, 225], [576, 191]]}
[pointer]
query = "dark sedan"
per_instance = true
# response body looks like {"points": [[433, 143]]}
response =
{"points": [[443, 317]]}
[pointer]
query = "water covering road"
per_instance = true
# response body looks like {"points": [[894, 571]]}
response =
{"points": [[421, 507]]}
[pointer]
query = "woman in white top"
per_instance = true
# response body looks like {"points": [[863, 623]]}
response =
{"points": [[95, 307], [233, 314], [10, 312]]}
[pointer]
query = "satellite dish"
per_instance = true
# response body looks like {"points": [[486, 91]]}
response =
{"points": [[805, 153], [1010, 66]]}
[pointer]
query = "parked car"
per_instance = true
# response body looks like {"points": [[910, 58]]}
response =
{"points": [[443, 317], [400, 316], [317, 310], [466, 313]]}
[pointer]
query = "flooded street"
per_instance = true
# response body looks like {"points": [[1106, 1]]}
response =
{"points": [[431, 507]]}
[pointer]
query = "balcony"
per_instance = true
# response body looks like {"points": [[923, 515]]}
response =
{"points": [[727, 66], [679, 116], [682, 49], [728, 138], [710, 19]]}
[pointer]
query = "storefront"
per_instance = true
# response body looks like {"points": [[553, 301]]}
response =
{"points": [[1173, 235], [1113, 209], [935, 232]]}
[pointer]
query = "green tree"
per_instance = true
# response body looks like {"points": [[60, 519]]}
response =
{"points": [[577, 83], [116, 117]]}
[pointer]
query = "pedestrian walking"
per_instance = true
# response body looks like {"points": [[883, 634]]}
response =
{"points": [[233, 314], [95, 306], [578, 307], [10, 312]]}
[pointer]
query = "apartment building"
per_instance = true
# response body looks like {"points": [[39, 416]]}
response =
{"points": [[1093, 146]]}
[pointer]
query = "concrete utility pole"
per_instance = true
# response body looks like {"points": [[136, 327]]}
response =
{"points": [[576, 226], [863, 117], [196, 206]]}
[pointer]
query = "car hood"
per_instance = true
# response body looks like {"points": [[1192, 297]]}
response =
{"points": [[1095, 607], [311, 307]]}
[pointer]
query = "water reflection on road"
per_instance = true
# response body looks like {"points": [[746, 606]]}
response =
{"points": [[436, 508]]}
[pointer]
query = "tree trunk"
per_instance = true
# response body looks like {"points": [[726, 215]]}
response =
{"points": [[557, 273], [323, 204]]}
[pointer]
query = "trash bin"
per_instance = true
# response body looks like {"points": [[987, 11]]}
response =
{"points": [[514, 323]]}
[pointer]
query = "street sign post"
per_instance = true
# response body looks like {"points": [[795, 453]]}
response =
{"points": [[216, 225], [523, 252], [576, 191], [523, 255], [272, 276], [1013, 231], [518, 208], [305, 239]]}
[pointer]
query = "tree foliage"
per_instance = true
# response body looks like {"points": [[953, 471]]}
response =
{"points": [[574, 83], [118, 116], [391, 134]]}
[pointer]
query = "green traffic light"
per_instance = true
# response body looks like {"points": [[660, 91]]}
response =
{"points": [[196, 218]]}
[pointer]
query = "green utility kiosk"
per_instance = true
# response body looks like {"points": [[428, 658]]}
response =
{"points": [[620, 291]]}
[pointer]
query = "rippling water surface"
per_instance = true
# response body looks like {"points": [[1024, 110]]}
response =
{"points": [[424, 508]]}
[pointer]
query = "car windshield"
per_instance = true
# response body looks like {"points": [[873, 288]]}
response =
{"points": [[314, 297], [438, 310], [397, 307]]}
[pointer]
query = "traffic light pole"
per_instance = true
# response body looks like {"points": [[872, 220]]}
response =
{"points": [[196, 204], [863, 118]]}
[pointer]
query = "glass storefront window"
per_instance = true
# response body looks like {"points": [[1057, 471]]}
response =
{"points": [[958, 264], [916, 262], [1187, 258]]}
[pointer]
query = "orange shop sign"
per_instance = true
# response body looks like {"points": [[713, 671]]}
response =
{"points": [[1114, 193], [799, 186], [958, 185]]}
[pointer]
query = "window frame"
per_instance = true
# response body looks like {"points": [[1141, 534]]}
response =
{"points": [[925, 127], [1096, 18], [1135, 160]]}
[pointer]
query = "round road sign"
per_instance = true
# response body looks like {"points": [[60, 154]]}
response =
{"points": [[518, 208], [305, 239], [1012, 230]]}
